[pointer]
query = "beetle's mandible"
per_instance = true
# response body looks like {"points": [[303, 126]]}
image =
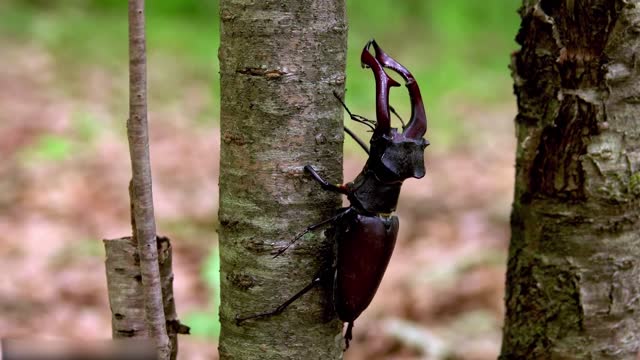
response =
{"points": [[366, 230]]}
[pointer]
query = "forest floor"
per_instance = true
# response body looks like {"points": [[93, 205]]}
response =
{"points": [[64, 169]]}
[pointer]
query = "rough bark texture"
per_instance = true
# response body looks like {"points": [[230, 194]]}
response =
{"points": [[574, 261], [124, 284], [174, 327], [126, 297], [142, 199], [280, 61]]}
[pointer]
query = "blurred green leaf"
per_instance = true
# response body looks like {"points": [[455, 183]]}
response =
{"points": [[457, 49], [48, 147], [203, 324], [86, 126], [211, 272], [206, 323]]}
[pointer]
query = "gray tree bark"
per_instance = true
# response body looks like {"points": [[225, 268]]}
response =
{"points": [[126, 296], [573, 286], [279, 64], [124, 283]]}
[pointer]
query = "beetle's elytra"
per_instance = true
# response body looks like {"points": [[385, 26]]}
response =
{"points": [[366, 231]]}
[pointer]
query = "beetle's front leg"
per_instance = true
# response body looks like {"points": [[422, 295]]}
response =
{"points": [[341, 189]]}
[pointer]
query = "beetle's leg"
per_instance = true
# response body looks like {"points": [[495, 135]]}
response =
{"points": [[324, 183], [357, 118], [348, 335], [284, 305], [357, 139], [311, 228]]}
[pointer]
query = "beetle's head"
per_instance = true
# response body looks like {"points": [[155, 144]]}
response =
{"points": [[395, 156]]}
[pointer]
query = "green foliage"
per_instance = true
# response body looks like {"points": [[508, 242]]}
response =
{"points": [[48, 148], [86, 127], [206, 323], [458, 49], [203, 324], [76, 141], [187, 8]]}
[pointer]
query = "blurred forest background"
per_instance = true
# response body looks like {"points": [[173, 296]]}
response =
{"points": [[64, 167]]}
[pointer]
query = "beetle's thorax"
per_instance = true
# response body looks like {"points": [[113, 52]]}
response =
{"points": [[392, 160], [369, 195]]}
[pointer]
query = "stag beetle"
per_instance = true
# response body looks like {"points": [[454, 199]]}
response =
{"points": [[366, 230]]}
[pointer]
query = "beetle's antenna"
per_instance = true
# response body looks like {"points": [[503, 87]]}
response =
{"points": [[354, 117]]}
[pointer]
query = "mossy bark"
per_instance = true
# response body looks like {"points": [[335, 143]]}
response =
{"points": [[279, 65], [573, 286]]}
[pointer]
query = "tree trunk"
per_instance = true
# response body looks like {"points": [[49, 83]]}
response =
{"points": [[574, 262], [126, 296], [124, 283], [279, 65]]}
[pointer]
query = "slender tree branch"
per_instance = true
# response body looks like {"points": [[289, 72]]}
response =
{"points": [[142, 199]]}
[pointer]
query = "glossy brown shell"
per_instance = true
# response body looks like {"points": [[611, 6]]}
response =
{"points": [[365, 245]]}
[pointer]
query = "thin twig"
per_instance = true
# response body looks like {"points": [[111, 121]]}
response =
{"points": [[142, 199]]}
